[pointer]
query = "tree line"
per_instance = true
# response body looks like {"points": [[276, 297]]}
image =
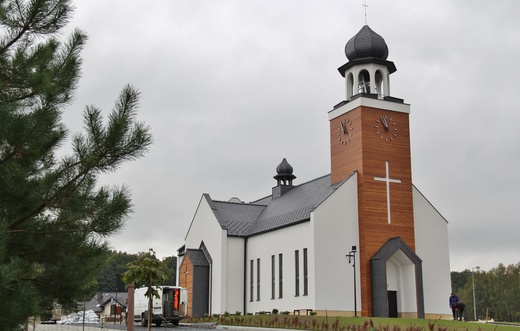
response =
{"points": [[110, 277], [496, 292]]}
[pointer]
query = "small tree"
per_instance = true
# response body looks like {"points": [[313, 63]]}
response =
{"points": [[147, 270]]}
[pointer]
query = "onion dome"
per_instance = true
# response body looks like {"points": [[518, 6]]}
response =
{"points": [[284, 173], [366, 44]]}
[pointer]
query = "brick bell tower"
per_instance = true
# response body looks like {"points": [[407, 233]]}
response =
{"points": [[369, 134]]}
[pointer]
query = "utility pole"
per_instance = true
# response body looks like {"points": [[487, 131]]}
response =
{"points": [[474, 301]]}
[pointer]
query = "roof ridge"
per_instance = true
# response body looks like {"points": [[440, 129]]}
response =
{"points": [[294, 186], [240, 204]]}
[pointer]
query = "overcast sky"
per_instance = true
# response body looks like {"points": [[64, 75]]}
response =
{"points": [[230, 87]]}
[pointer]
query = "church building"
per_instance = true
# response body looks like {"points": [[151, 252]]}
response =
{"points": [[360, 241]]}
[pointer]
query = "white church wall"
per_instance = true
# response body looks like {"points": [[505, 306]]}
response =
{"points": [[400, 276], [235, 275], [284, 241], [205, 228], [392, 276], [408, 297], [335, 226], [431, 245]]}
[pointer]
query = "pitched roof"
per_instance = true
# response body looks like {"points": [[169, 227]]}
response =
{"points": [[102, 298], [267, 214], [197, 257], [237, 218]]}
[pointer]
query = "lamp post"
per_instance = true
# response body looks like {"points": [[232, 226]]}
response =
{"points": [[474, 301], [351, 256]]}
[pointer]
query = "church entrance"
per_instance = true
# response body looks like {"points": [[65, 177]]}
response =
{"points": [[392, 304], [397, 288]]}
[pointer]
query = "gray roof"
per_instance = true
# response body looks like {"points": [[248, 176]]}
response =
{"points": [[103, 298], [237, 218], [197, 257], [267, 214]]}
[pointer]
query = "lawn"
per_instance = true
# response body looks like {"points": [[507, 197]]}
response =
{"points": [[321, 323]]}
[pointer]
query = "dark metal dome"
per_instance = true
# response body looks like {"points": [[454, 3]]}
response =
{"points": [[284, 168], [366, 44], [284, 171]]}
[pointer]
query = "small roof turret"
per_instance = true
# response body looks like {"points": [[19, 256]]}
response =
{"points": [[284, 173], [367, 70], [284, 178]]}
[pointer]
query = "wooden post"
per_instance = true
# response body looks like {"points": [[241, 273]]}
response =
{"points": [[130, 308]]}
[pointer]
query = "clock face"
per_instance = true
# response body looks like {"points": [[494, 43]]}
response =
{"points": [[386, 128], [345, 132]]}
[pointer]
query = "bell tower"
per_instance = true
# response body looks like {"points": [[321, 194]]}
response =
{"points": [[369, 135]]}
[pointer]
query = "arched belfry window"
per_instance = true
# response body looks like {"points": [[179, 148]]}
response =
{"points": [[350, 85], [364, 82], [379, 86]]}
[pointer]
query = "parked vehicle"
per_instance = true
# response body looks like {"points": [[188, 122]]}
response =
{"points": [[170, 307]]}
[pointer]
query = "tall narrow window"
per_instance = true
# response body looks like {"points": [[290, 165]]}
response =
{"points": [[252, 283], [297, 273], [305, 273], [257, 279], [280, 276], [273, 277]]}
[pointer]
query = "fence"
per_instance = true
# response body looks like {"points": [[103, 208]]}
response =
{"points": [[77, 327]]}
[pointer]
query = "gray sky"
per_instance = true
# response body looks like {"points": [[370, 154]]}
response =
{"points": [[230, 87]]}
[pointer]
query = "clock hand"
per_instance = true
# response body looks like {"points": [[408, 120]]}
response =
{"points": [[342, 127], [385, 124]]}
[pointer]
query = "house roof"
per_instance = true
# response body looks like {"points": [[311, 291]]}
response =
{"points": [[267, 214], [103, 298]]}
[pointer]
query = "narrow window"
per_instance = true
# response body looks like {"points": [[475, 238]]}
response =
{"points": [[297, 273], [251, 276], [273, 277], [257, 279], [305, 273], [280, 276]]}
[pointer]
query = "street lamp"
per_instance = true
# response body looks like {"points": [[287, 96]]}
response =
{"points": [[351, 256], [474, 301]]}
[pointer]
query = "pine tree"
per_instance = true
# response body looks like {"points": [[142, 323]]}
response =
{"points": [[54, 217]]}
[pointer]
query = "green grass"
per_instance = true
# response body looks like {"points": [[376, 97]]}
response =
{"points": [[322, 323]]}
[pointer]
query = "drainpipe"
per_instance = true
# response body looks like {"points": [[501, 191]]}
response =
{"points": [[210, 288], [245, 276]]}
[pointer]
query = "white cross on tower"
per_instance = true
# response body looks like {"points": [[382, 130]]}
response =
{"points": [[388, 180]]}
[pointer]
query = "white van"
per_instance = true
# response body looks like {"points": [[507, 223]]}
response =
{"points": [[170, 307]]}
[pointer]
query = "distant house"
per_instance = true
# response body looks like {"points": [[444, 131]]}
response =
{"points": [[109, 306]]}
